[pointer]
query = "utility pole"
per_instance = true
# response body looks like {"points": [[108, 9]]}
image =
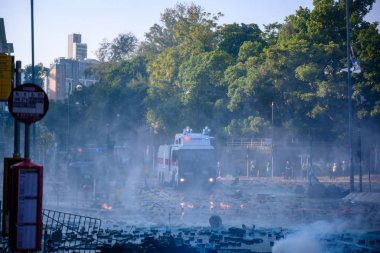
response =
{"points": [[272, 138], [349, 98], [27, 126]]}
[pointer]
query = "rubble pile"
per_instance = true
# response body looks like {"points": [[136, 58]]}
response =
{"points": [[163, 219], [206, 239]]}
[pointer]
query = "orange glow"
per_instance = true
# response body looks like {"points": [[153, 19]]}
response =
{"points": [[224, 206], [106, 206]]}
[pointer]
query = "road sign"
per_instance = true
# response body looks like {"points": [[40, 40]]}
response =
{"points": [[25, 228], [5, 76], [28, 103]]}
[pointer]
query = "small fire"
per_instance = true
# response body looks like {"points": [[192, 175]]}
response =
{"points": [[224, 206], [106, 206]]}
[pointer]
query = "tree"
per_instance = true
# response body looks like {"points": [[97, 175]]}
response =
{"points": [[183, 24], [186, 33], [232, 36], [202, 86], [122, 48], [40, 72]]}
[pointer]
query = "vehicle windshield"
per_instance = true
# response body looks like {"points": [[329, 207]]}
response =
{"points": [[196, 159]]}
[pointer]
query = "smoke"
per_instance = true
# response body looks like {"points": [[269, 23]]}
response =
{"points": [[309, 238]]}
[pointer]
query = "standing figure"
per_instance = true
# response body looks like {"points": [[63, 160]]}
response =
{"points": [[252, 169], [333, 171], [343, 167], [304, 170], [218, 168], [267, 171], [287, 170]]}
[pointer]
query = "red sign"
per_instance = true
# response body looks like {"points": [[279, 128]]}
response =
{"points": [[28, 103], [25, 230]]}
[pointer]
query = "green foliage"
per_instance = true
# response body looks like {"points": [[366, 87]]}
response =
{"points": [[233, 78], [122, 48], [39, 74], [233, 36]]}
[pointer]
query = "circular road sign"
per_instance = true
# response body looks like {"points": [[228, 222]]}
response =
{"points": [[28, 103]]}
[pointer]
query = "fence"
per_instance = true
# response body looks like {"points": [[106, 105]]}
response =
{"points": [[70, 232]]}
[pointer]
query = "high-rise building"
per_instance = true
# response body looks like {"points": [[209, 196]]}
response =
{"points": [[75, 48], [66, 75], [5, 47]]}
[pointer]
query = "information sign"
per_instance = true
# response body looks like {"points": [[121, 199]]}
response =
{"points": [[26, 211], [28, 103], [5, 76]]}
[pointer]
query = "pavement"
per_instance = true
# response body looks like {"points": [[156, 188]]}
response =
{"points": [[256, 204]]}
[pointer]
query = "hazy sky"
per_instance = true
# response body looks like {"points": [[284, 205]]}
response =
{"points": [[99, 19]]}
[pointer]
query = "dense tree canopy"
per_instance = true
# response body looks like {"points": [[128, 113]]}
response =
{"points": [[190, 71]]}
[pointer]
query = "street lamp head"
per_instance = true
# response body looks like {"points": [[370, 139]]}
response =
{"points": [[79, 87]]}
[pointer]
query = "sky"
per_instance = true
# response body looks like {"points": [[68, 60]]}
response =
{"points": [[96, 20]]}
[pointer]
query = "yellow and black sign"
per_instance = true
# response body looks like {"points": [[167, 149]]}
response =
{"points": [[5, 76]]}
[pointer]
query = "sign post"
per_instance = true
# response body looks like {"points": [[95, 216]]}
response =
{"points": [[27, 103]]}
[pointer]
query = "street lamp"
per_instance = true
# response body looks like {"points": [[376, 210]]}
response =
{"points": [[272, 137], [349, 95], [68, 116]]}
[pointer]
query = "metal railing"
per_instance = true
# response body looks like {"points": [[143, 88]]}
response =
{"points": [[70, 232], [250, 143]]}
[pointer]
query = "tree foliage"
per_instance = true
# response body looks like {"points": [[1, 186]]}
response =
{"points": [[121, 48], [40, 72], [190, 71]]}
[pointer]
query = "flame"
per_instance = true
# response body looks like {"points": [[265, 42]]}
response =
{"points": [[224, 206], [106, 206]]}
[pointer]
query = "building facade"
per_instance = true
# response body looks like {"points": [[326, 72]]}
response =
{"points": [[5, 47], [66, 74], [75, 48]]}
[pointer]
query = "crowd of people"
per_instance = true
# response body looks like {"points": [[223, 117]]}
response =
{"points": [[290, 169]]}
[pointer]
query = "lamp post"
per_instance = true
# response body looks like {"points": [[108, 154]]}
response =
{"points": [[349, 95], [68, 116], [272, 137]]}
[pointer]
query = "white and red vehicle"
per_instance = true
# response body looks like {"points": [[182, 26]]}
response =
{"points": [[189, 161]]}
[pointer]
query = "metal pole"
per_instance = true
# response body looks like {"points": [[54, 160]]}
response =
{"points": [[16, 152], [27, 142], [68, 120], [349, 95], [369, 179], [32, 29], [272, 137], [246, 156], [33, 74], [360, 161]]}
